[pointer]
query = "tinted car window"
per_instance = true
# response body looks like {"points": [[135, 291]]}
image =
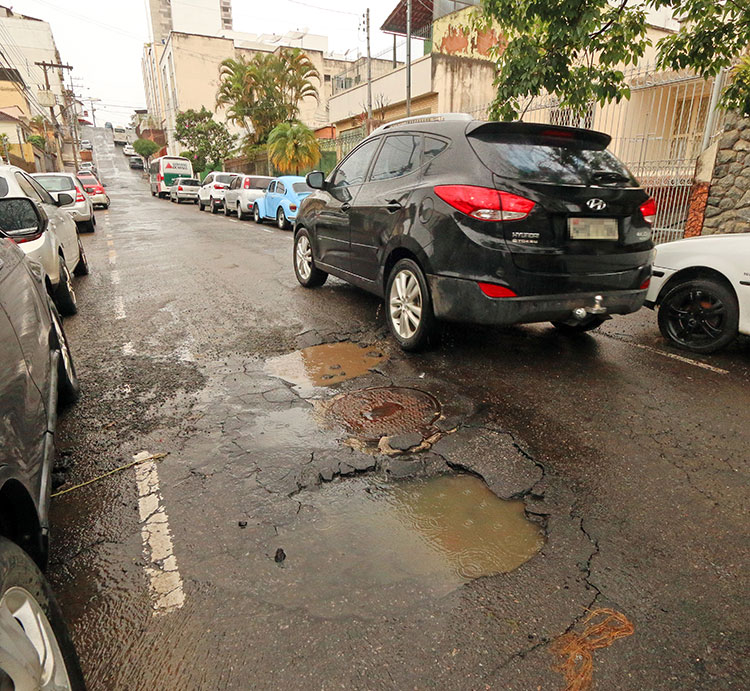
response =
{"points": [[56, 183], [17, 215], [224, 179], [399, 156], [525, 158], [353, 170], [271, 187], [280, 189], [190, 183], [27, 188], [208, 179], [256, 183], [301, 187], [433, 147]]}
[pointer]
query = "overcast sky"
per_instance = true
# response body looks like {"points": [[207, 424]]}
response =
{"points": [[103, 39]]}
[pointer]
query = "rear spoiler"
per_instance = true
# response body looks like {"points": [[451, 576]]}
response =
{"points": [[588, 139]]}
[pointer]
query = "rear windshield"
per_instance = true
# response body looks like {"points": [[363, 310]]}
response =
{"points": [[526, 158], [56, 183], [301, 187], [88, 178], [259, 183], [190, 183], [224, 179]]}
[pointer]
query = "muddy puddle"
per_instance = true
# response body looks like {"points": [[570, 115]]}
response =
{"points": [[367, 549], [324, 365]]}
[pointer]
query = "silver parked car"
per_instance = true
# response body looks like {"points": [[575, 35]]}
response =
{"points": [[55, 244], [184, 189], [82, 208], [243, 192]]}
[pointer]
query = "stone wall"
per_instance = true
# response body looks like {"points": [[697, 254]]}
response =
{"points": [[728, 203]]}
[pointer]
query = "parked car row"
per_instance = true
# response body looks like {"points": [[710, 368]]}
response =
{"points": [[37, 374]]}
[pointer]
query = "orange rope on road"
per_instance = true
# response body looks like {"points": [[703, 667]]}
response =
{"points": [[604, 627]]}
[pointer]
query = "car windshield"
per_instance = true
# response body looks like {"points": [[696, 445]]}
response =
{"points": [[56, 183], [259, 183], [535, 160], [224, 179], [301, 188]]}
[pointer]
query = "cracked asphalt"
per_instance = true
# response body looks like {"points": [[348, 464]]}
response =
{"points": [[632, 461]]}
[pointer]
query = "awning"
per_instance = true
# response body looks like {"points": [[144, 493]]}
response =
{"points": [[421, 19]]}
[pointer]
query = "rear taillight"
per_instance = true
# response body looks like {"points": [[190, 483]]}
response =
{"points": [[246, 184], [159, 177], [292, 207], [648, 209], [492, 290], [218, 186], [645, 284], [484, 203], [79, 195], [179, 188]]}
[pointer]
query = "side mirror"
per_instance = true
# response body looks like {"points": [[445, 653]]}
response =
{"points": [[316, 180], [104, 184], [63, 199], [21, 218]]}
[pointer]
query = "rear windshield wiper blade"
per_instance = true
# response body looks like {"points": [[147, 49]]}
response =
{"points": [[608, 176]]}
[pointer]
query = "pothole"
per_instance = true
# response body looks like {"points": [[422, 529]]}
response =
{"points": [[371, 414], [325, 365], [367, 548]]}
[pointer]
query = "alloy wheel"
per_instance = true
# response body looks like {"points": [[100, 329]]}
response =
{"points": [[28, 646], [280, 219], [62, 343], [695, 317], [405, 302], [304, 257]]}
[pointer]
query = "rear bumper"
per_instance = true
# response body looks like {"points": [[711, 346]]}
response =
{"points": [[186, 195], [461, 300], [99, 199]]}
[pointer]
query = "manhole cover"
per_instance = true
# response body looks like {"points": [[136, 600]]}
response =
{"points": [[383, 412]]}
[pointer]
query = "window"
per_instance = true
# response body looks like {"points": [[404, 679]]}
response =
{"points": [[46, 196], [399, 156], [354, 168], [280, 189], [256, 183], [208, 179], [27, 188], [225, 179], [301, 188], [433, 147], [56, 183]]}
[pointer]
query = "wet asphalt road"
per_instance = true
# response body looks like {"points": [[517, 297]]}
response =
{"points": [[633, 463]]}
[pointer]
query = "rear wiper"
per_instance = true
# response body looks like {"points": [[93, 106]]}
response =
{"points": [[608, 176]]}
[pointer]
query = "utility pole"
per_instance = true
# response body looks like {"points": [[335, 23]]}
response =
{"points": [[45, 66], [369, 73], [408, 58], [73, 121]]}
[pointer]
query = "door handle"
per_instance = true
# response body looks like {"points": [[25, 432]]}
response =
{"points": [[346, 206]]}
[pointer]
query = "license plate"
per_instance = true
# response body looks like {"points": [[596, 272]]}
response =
{"points": [[593, 228]]}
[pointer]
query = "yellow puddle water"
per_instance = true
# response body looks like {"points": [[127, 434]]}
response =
{"points": [[364, 548], [324, 365]]}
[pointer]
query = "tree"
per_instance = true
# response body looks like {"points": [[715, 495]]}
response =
{"points": [[38, 141], [206, 138], [292, 146], [145, 147], [577, 51]]}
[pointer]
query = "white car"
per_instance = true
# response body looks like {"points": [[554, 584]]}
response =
{"points": [[242, 193], [56, 247], [211, 192], [184, 189], [128, 150], [701, 287], [82, 208]]}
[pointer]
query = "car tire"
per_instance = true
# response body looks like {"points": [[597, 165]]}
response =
{"points": [[65, 296], [106, 206], [305, 270], [409, 311], [26, 598], [82, 268], [281, 221], [68, 388], [227, 212], [256, 215], [153, 194], [240, 214], [700, 315], [196, 202], [214, 207], [201, 205], [591, 322]]}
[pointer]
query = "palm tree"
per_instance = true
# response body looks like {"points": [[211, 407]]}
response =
{"points": [[292, 146], [296, 72]]}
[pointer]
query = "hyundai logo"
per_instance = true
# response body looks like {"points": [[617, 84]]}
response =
{"points": [[596, 204]]}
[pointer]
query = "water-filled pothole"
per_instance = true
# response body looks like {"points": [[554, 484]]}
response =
{"points": [[368, 548], [385, 411], [324, 365]]}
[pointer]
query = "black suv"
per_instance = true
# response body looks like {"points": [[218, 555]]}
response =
{"points": [[450, 218]]}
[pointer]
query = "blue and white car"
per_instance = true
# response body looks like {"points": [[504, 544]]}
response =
{"points": [[281, 200]]}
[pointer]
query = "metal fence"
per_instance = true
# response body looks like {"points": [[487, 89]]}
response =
{"points": [[334, 150]]}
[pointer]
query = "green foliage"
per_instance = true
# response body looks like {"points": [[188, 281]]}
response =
{"points": [[38, 141], [266, 90], [145, 147], [198, 161], [292, 147], [209, 141], [577, 50]]}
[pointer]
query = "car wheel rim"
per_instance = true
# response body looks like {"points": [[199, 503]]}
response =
{"points": [[304, 257], [31, 654], [405, 303], [280, 219], [62, 343], [69, 284], [695, 317]]}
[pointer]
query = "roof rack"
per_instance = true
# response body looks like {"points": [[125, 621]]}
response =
{"points": [[438, 117]]}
